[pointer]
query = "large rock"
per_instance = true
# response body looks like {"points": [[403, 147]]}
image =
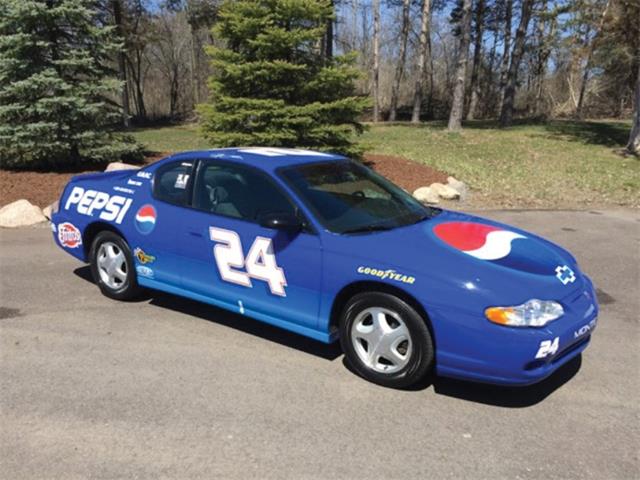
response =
{"points": [[20, 213], [48, 210], [120, 166], [445, 191], [426, 195], [456, 184]]}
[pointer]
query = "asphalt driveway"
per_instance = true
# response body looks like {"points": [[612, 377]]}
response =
{"points": [[167, 387]]}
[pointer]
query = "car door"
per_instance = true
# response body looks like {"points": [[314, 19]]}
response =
{"points": [[157, 221], [230, 258]]}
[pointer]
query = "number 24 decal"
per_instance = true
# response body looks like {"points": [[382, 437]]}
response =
{"points": [[259, 264]]}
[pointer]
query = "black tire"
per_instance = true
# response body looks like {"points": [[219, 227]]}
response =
{"points": [[128, 288], [419, 357]]}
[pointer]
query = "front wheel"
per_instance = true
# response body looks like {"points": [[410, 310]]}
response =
{"points": [[385, 340], [112, 266]]}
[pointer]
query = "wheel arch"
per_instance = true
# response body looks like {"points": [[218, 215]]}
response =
{"points": [[92, 230], [354, 288]]}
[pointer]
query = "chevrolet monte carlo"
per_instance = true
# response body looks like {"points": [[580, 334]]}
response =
{"points": [[322, 246]]}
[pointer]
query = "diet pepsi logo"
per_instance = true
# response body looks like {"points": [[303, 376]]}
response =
{"points": [[69, 236], [499, 246], [146, 219]]}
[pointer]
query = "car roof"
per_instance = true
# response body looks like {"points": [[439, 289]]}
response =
{"points": [[265, 158]]}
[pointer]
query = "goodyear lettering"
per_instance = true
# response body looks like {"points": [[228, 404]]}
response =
{"points": [[112, 208], [386, 274]]}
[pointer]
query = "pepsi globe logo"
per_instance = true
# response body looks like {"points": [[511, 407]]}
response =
{"points": [[499, 246], [146, 219]]}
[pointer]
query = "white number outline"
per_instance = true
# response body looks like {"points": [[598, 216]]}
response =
{"points": [[548, 347], [259, 264]]}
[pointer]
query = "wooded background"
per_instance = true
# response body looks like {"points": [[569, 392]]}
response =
{"points": [[419, 59]]}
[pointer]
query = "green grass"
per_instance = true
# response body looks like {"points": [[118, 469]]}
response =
{"points": [[176, 138], [559, 164]]}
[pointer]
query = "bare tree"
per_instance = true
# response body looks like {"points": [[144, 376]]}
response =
{"points": [[506, 115], [634, 137], [506, 49], [376, 60], [457, 104], [477, 56], [122, 69], [587, 68], [423, 47], [404, 35]]}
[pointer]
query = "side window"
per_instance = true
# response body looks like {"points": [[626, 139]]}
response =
{"points": [[238, 192], [171, 181]]}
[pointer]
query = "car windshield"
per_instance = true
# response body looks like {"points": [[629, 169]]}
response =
{"points": [[348, 197]]}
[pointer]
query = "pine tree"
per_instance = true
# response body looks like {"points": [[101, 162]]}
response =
{"points": [[271, 85], [56, 86]]}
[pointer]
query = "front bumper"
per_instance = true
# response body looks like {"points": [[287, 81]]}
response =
{"points": [[501, 355]]}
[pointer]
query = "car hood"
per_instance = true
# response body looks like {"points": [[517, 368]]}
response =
{"points": [[457, 250]]}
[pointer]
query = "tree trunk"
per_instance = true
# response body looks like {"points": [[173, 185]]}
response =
{"points": [[419, 85], [634, 138], [328, 35], [506, 52], [122, 70], [506, 115], [587, 67], [404, 35], [457, 104], [544, 50], [477, 50], [376, 60]]}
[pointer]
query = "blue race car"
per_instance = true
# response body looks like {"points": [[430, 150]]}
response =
{"points": [[323, 246]]}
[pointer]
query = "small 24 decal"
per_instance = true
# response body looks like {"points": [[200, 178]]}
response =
{"points": [[259, 264], [548, 347]]}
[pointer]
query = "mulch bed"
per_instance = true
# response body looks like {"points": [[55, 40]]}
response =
{"points": [[43, 188]]}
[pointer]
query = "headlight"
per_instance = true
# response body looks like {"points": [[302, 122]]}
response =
{"points": [[534, 313]]}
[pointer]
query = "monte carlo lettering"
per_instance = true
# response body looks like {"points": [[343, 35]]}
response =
{"points": [[111, 208]]}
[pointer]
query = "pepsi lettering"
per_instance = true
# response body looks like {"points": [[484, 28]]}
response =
{"points": [[112, 208]]}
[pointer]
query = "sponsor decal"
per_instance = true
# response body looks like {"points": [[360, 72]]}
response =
{"points": [[69, 235], [144, 271], [143, 257], [386, 274], [548, 347], [124, 190], [111, 208], [585, 329], [134, 183], [145, 220], [565, 274], [499, 246], [145, 175], [259, 264]]}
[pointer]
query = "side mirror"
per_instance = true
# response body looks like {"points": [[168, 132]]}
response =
{"points": [[281, 221]]}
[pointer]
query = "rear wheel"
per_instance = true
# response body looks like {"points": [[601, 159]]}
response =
{"points": [[112, 266], [385, 340]]}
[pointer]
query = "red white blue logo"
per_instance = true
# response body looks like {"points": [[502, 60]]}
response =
{"points": [[499, 246], [146, 219]]}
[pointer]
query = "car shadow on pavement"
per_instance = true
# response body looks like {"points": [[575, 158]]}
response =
{"points": [[509, 397], [231, 320]]}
